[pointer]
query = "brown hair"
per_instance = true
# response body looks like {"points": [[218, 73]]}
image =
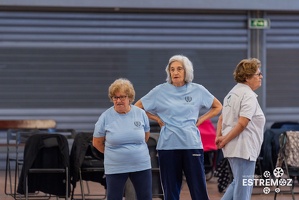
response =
{"points": [[246, 69]]}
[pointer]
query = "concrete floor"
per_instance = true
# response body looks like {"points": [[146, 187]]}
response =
{"points": [[211, 184]]}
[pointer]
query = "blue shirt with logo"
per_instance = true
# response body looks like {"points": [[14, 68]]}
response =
{"points": [[125, 146], [179, 108]]}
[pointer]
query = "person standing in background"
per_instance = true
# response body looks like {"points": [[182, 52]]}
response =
{"points": [[240, 128], [175, 105], [121, 133]]}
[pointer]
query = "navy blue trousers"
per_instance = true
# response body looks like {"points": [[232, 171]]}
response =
{"points": [[141, 180], [173, 163]]}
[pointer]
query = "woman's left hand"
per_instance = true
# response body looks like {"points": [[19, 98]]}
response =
{"points": [[220, 143]]}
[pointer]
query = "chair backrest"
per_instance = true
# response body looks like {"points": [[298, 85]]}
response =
{"points": [[289, 149], [281, 123], [152, 144], [45, 151], [93, 158], [50, 154], [290, 127], [84, 155]]}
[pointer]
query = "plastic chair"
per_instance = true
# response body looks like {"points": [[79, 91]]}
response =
{"points": [[46, 166], [288, 158], [87, 164]]}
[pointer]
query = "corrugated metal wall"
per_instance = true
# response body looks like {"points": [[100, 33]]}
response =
{"points": [[58, 65], [282, 46], [123, 30], [283, 60]]}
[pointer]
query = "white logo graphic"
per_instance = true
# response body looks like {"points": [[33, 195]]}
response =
{"points": [[268, 182], [266, 190], [278, 172], [267, 174]]}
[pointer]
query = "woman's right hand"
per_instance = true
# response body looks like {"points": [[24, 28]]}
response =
{"points": [[160, 122]]}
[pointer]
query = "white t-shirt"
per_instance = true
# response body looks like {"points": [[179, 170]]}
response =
{"points": [[179, 108], [242, 101], [125, 146]]}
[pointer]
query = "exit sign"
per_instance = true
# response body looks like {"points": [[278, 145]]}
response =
{"points": [[258, 23]]}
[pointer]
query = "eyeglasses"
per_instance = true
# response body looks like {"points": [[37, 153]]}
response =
{"points": [[122, 98], [259, 74]]}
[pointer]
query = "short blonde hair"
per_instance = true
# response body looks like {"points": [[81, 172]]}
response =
{"points": [[187, 64], [246, 69], [122, 85]]}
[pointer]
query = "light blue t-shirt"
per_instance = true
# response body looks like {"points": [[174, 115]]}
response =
{"points": [[125, 146], [179, 108]]}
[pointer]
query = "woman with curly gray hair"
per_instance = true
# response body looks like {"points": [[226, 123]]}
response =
{"points": [[175, 105]]}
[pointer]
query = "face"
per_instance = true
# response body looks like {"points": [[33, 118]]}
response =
{"points": [[121, 102], [177, 73], [255, 81]]}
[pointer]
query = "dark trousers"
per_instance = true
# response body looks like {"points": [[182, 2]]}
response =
{"points": [[173, 163], [142, 182]]}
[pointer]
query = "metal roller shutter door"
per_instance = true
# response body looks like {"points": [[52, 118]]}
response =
{"points": [[282, 60], [59, 65]]}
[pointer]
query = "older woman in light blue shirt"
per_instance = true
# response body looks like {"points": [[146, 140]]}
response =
{"points": [[175, 105], [121, 133]]}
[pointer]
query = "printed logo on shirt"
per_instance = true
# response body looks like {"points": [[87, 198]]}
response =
{"points": [[228, 101], [188, 99], [137, 123]]}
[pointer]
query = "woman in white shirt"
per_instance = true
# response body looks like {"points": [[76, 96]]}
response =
{"points": [[240, 128]]}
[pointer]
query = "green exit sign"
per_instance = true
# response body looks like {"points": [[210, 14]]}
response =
{"points": [[258, 23]]}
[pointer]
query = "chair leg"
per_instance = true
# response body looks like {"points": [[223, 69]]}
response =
{"points": [[292, 188], [275, 193], [81, 185], [26, 187], [66, 183], [82, 188], [72, 194], [7, 177], [87, 186], [16, 178]]}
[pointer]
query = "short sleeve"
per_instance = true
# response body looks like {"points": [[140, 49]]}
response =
{"points": [[99, 130]]}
